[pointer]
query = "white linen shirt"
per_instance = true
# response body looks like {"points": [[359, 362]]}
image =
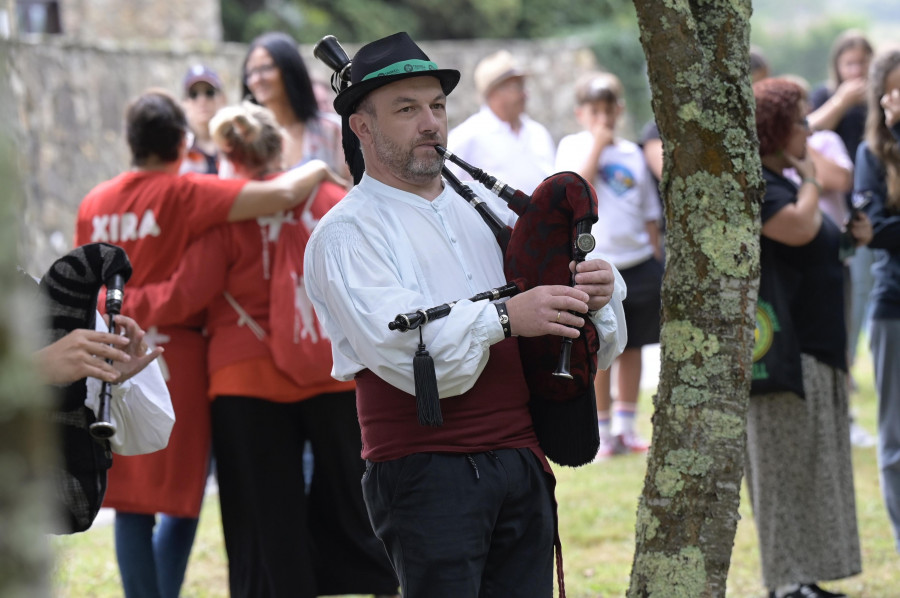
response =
{"points": [[382, 252], [521, 159]]}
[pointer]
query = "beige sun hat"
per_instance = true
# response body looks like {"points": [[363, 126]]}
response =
{"points": [[496, 68]]}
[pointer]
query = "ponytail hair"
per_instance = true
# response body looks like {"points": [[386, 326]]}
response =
{"points": [[249, 137]]}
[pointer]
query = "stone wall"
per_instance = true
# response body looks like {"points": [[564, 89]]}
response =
{"points": [[194, 21], [70, 98], [159, 19]]}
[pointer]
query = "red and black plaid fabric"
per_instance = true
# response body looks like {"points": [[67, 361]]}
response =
{"points": [[539, 252]]}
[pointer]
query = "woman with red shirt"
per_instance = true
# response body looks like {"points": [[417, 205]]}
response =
{"points": [[152, 213], [280, 540]]}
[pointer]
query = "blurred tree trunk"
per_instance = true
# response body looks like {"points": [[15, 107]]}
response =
{"points": [[25, 442], [698, 61]]}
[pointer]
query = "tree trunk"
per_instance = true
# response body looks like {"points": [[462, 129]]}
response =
{"points": [[25, 443], [698, 60]]}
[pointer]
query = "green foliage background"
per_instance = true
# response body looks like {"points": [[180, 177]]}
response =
{"points": [[795, 37], [364, 20]]}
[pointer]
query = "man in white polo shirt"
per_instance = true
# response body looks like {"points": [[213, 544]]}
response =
{"points": [[501, 139]]}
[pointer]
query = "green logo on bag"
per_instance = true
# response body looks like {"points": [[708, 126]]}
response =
{"points": [[766, 327]]}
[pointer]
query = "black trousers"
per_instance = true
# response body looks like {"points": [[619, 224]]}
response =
{"points": [[280, 541], [465, 526]]}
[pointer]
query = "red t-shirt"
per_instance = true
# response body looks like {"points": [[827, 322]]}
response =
{"points": [[240, 259], [153, 216]]}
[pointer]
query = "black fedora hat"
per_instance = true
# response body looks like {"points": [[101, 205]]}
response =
{"points": [[387, 60]]}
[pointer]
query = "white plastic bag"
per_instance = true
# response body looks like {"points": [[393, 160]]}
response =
{"points": [[140, 409]]}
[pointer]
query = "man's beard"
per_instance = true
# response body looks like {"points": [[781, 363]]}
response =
{"points": [[403, 161]]}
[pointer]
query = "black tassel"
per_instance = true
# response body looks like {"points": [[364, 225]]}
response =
{"points": [[428, 402]]}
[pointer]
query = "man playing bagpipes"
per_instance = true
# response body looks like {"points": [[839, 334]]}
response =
{"points": [[464, 503]]}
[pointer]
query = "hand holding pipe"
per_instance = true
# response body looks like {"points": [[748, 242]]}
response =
{"points": [[583, 240], [103, 428]]}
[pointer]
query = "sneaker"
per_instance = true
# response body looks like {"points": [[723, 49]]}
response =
{"points": [[609, 447], [859, 437], [621, 444], [633, 443]]}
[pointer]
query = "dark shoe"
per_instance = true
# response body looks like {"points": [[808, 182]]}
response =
{"points": [[825, 593], [811, 590], [803, 591]]}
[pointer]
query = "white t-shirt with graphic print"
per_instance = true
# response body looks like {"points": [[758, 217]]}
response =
{"points": [[627, 197]]}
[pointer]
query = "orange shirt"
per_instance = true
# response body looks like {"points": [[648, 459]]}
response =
{"points": [[258, 377]]}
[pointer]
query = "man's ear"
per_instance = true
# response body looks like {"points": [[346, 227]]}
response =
{"points": [[359, 124]]}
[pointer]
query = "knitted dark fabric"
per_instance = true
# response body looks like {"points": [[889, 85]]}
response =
{"points": [[71, 286]]}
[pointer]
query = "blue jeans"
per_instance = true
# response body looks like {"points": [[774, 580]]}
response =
{"points": [[885, 342], [860, 289], [153, 556]]}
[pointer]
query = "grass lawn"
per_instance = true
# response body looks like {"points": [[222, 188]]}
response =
{"points": [[597, 512]]}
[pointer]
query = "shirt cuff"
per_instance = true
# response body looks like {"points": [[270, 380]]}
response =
{"points": [[489, 322]]}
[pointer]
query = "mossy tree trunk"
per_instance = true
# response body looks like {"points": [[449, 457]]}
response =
{"points": [[25, 441], [697, 54]]}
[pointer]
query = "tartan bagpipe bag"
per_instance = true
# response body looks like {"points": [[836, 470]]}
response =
{"points": [[540, 249]]}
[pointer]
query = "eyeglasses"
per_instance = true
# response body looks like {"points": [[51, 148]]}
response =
{"points": [[803, 122], [260, 70], [209, 92]]}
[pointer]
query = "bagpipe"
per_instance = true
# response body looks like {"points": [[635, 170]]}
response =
{"points": [[71, 287], [552, 230]]}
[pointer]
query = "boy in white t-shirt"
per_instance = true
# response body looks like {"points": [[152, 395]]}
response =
{"points": [[627, 235]]}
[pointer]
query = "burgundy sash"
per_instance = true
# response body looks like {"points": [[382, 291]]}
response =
{"points": [[493, 414]]}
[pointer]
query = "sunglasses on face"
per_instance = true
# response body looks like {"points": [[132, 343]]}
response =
{"points": [[209, 92]]}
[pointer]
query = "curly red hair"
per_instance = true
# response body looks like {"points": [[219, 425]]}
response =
{"points": [[777, 109]]}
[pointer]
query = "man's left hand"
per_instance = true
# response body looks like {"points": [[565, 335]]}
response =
{"points": [[596, 278]]}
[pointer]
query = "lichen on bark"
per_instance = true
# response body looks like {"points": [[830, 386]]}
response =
{"points": [[698, 65], [682, 575]]}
